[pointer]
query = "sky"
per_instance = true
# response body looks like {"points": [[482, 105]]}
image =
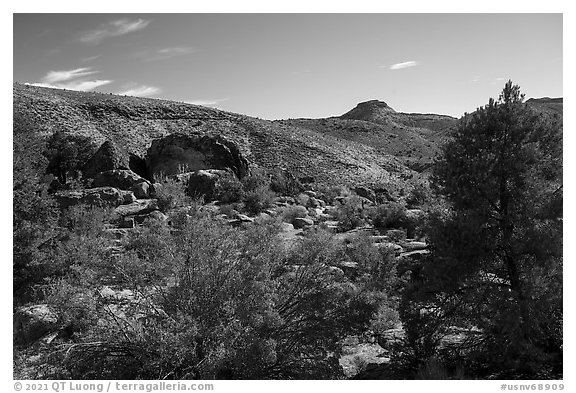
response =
{"points": [[278, 66]]}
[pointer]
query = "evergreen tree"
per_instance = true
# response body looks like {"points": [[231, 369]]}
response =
{"points": [[496, 265]]}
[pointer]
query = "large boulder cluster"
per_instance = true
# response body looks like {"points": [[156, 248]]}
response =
{"points": [[125, 182]]}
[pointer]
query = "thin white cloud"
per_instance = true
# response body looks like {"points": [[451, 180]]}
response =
{"points": [[406, 64], [207, 102], [167, 53], [62, 76], [140, 91], [90, 58], [113, 29], [71, 79], [75, 85], [475, 79]]}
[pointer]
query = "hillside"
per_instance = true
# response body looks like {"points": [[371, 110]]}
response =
{"points": [[133, 123], [552, 106], [372, 144], [412, 138]]}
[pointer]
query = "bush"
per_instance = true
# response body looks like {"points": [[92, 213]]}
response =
{"points": [[216, 302], [66, 154], [256, 180], [258, 200], [390, 215], [229, 190], [352, 213], [34, 211], [85, 220], [289, 213], [170, 194], [283, 182], [418, 196]]}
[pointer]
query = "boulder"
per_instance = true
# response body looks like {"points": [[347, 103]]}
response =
{"points": [[126, 223], [98, 197], [240, 219], [142, 190], [123, 179], [313, 202], [301, 222], [288, 200], [173, 153], [33, 322], [413, 246], [310, 193], [244, 218], [140, 206], [349, 268], [365, 193], [395, 248], [128, 197], [390, 338], [108, 157], [206, 183]]}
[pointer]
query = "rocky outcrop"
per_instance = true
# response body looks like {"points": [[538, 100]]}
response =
{"points": [[174, 153], [140, 206], [124, 179], [33, 322], [108, 157], [97, 197], [207, 183], [302, 222]]}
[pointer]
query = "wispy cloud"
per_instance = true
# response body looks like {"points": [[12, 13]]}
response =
{"points": [[113, 29], [89, 58], [167, 53], [207, 101], [476, 79], [72, 80], [140, 91], [62, 76], [406, 64]]}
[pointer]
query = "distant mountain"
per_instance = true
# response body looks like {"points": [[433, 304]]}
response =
{"points": [[413, 138]]}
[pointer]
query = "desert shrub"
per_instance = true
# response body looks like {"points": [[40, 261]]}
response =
{"points": [[289, 213], [377, 264], [352, 213], [229, 189], [66, 154], [258, 200], [283, 182], [34, 212], [386, 317], [302, 199], [419, 195], [228, 209], [219, 303], [85, 220], [170, 194], [396, 235], [389, 215], [257, 179], [329, 193]]}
